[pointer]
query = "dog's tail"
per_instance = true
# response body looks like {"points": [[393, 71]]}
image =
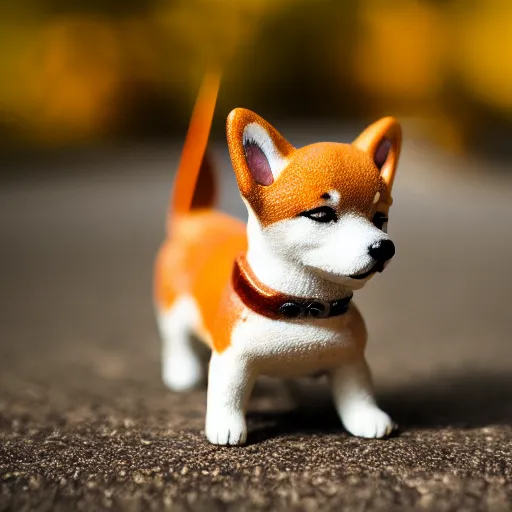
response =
{"points": [[194, 186]]}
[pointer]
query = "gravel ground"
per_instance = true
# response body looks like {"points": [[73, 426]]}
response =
{"points": [[85, 423]]}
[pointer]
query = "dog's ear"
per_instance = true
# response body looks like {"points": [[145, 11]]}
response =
{"points": [[382, 141], [258, 151]]}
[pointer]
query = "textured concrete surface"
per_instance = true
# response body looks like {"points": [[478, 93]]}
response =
{"points": [[85, 423]]}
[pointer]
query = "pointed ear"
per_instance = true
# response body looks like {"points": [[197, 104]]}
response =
{"points": [[258, 152], [382, 141]]}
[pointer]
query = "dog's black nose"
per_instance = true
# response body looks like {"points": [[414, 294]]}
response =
{"points": [[383, 250]]}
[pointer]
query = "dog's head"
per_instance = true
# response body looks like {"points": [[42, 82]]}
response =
{"points": [[323, 206]]}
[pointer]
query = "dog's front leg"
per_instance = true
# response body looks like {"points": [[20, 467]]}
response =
{"points": [[230, 383], [355, 402]]}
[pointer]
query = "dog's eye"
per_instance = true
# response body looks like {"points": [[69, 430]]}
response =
{"points": [[380, 221], [321, 214]]}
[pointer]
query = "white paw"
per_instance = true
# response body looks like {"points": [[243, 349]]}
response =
{"points": [[228, 429], [182, 377], [367, 421]]}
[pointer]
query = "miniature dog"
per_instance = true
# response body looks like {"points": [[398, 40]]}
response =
{"points": [[274, 297]]}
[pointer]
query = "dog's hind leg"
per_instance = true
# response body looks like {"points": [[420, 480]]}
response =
{"points": [[182, 364]]}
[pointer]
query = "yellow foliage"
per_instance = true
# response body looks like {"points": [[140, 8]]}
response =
{"points": [[400, 49], [63, 78], [483, 51], [209, 31], [75, 70]]}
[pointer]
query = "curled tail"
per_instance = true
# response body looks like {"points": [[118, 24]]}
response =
{"points": [[194, 186]]}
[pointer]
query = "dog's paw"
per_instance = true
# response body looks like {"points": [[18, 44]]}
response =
{"points": [[229, 429], [368, 421], [182, 375]]}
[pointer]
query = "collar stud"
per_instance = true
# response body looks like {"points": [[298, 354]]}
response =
{"points": [[290, 310], [317, 310]]}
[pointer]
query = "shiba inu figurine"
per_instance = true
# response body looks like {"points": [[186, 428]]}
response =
{"points": [[273, 297]]}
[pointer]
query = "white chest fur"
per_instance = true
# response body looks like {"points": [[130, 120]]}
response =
{"points": [[291, 348]]}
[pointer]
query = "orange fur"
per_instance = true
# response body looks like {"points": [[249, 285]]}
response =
{"points": [[315, 169], [195, 145], [197, 260]]}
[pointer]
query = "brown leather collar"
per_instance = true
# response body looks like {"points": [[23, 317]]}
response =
{"points": [[273, 304]]}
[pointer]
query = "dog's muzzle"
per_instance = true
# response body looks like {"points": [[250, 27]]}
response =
{"points": [[381, 251]]}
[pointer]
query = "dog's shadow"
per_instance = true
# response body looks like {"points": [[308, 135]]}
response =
{"points": [[458, 401]]}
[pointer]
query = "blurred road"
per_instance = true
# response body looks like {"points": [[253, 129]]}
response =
{"points": [[85, 422]]}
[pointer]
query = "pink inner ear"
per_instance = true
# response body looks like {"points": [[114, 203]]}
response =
{"points": [[382, 152], [258, 164]]}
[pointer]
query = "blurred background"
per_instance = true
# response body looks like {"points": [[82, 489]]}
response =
{"points": [[86, 73]]}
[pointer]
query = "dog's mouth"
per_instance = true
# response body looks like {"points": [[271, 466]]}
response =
{"points": [[378, 267]]}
